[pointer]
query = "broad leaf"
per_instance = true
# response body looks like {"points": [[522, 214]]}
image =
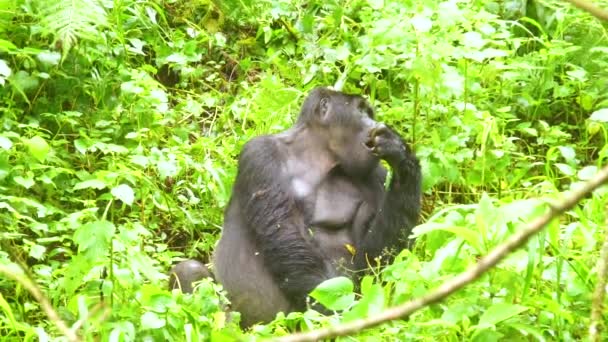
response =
{"points": [[371, 304], [94, 237], [335, 294], [124, 193], [91, 183], [151, 320], [600, 115], [500, 312], [38, 147]]}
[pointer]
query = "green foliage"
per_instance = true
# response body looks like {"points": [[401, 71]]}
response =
{"points": [[335, 294], [122, 120]]}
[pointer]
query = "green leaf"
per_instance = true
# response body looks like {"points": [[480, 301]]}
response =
{"points": [[526, 329], [376, 4], [335, 293], [5, 143], [473, 40], [500, 312], [24, 182], [421, 23], [565, 169], [49, 57], [74, 20], [7, 311], [78, 267], [82, 145], [568, 153], [600, 115], [37, 252], [6, 46], [91, 183], [267, 34], [168, 168], [485, 215], [124, 193], [94, 237], [24, 81], [38, 148], [342, 52], [150, 320], [5, 71], [371, 304], [470, 236]]}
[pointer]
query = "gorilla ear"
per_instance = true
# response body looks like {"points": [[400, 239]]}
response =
{"points": [[323, 107]]}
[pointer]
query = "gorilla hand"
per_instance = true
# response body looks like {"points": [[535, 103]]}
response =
{"points": [[385, 143]]}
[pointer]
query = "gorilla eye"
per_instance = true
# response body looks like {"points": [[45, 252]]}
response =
{"points": [[366, 109]]}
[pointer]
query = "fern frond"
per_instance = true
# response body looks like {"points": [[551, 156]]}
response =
{"points": [[71, 20]]}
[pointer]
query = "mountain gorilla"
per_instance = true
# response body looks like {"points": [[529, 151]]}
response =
{"points": [[310, 204]]}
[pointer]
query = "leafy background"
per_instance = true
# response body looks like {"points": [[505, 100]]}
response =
{"points": [[121, 122]]}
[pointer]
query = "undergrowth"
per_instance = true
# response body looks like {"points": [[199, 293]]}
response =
{"points": [[122, 120]]}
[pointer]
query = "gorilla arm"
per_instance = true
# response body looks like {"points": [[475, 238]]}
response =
{"points": [[275, 221], [400, 206]]}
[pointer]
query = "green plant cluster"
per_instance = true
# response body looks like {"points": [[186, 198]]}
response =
{"points": [[122, 120]]}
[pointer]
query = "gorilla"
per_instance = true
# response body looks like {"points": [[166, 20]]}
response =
{"points": [[309, 204], [184, 274]]}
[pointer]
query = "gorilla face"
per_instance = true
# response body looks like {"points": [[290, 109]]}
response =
{"points": [[346, 122]]}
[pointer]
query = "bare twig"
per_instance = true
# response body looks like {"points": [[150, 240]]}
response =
{"points": [[591, 8], [490, 260], [35, 291], [289, 29], [595, 327]]}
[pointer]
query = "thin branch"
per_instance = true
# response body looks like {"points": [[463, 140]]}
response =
{"points": [[50, 312], [600, 290], [591, 8], [289, 29], [516, 241]]}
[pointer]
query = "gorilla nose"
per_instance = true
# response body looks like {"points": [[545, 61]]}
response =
{"points": [[368, 123], [373, 132]]}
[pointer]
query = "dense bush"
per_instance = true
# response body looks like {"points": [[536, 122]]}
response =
{"points": [[121, 122]]}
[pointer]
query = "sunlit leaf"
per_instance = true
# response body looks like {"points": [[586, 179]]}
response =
{"points": [[565, 169], [38, 147], [371, 304], [73, 20], [376, 4], [151, 320], [5, 71], [24, 182], [5, 143], [37, 252], [90, 184], [335, 293], [49, 57], [471, 237], [350, 248], [7, 46], [124, 193], [94, 237], [568, 153], [24, 81], [600, 115], [473, 40], [421, 23], [500, 312]]}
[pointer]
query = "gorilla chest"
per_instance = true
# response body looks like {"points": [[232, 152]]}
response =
{"points": [[336, 205]]}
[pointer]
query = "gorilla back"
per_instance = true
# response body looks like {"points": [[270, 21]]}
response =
{"points": [[305, 198]]}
